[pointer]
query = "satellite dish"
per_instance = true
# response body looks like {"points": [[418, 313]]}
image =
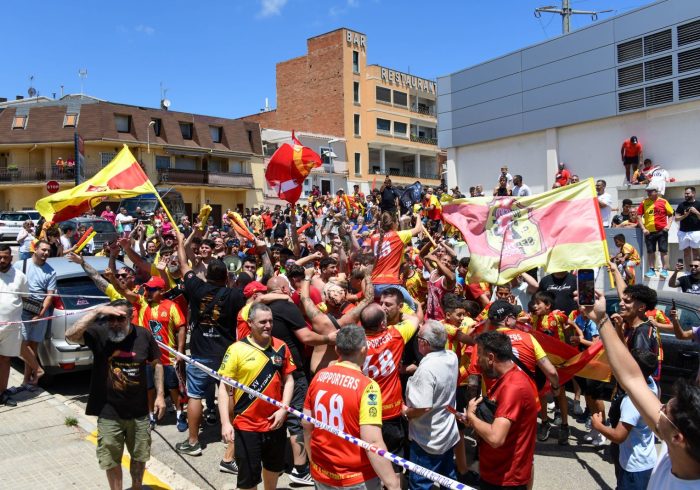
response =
{"points": [[31, 91], [165, 103]]}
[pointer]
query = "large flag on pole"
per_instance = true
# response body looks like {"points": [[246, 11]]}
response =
{"points": [[560, 230], [123, 177], [288, 168]]}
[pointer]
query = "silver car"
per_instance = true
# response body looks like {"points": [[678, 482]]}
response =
{"points": [[55, 353], [11, 222]]}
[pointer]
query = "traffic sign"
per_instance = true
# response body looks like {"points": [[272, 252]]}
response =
{"points": [[52, 186]]}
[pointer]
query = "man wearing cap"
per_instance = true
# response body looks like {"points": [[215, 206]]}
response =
{"points": [[655, 224], [631, 153]]}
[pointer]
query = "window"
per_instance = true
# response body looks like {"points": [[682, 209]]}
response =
{"points": [[400, 128], [656, 43], [185, 163], [356, 124], [19, 122], [383, 125], [157, 126], [106, 157], [383, 95], [216, 165], [237, 167], [215, 133], [658, 68], [634, 99], [689, 60], [689, 33], [689, 87], [162, 162], [325, 154], [186, 130], [70, 120], [356, 61], [358, 167], [356, 92], [400, 98], [123, 123], [631, 50], [629, 75]]}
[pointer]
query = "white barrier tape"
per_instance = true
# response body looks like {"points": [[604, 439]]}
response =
{"points": [[398, 460], [68, 313], [17, 293]]}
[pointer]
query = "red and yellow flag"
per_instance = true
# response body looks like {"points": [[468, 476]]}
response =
{"points": [[123, 177], [591, 363], [288, 168], [560, 229]]}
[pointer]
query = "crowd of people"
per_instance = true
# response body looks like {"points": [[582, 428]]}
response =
{"points": [[360, 311]]}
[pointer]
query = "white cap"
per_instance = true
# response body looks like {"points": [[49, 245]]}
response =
{"points": [[653, 187]]}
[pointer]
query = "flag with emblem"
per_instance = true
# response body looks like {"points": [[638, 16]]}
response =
{"points": [[123, 177], [560, 230], [288, 168]]}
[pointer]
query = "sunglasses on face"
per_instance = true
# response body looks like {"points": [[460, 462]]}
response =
{"points": [[123, 274], [151, 290]]}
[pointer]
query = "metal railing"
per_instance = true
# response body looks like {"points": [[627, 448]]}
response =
{"points": [[422, 139], [397, 172], [203, 177], [425, 110], [39, 173]]}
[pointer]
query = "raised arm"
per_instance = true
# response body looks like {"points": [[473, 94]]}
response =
{"points": [[92, 273], [139, 262], [353, 316]]}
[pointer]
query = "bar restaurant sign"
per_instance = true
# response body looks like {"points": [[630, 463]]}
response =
{"points": [[408, 81]]}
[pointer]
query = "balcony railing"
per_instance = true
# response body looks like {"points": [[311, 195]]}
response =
{"points": [[425, 110], [203, 177], [397, 172], [38, 173], [422, 139]]}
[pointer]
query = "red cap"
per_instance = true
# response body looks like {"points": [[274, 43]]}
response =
{"points": [[155, 282], [254, 287]]}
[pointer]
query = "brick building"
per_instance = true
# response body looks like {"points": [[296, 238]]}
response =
{"points": [[207, 159], [387, 118]]}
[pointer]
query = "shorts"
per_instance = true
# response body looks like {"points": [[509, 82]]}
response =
{"points": [[258, 450], [631, 480], [199, 381], [293, 424], [688, 239], [598, 390], [112, 435], [169, 377], [34, 331], [394, 436], [631, 160], [373, 484], [656, 239], [10, 340]]}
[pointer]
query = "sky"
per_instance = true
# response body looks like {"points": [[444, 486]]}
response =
{"points": [[218, 57]]}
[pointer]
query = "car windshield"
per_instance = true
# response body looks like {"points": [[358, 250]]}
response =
{"points": [[147, 203], [101, 226], [80, 287], [14, 216]]}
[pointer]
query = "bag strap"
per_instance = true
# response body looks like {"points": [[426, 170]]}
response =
{"points": [[522, 366], [24, 267]]}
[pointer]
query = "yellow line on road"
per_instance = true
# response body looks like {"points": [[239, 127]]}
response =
{"points": [[149, 479]]}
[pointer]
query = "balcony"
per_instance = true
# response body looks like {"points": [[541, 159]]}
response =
{"points": [[338, 167], [424, 110], [38, 174], [397, 172], [203, 177], [422, 139]]}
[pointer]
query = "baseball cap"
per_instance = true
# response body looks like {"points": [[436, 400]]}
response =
{"points": [[254, 287], [155, 282], [652, 187], [500, 309]]}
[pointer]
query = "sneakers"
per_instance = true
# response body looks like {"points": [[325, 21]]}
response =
{"points": [[599, 440], [211, 418], [577, 408], [228, 467], [588, 423], [550, 406], [301, 478], [7, 400], [182, 422], [564, 433], [189, 449], [663, 273], [543, 431], [650, 273], [590, 437], [557, 417], [151, 421]]}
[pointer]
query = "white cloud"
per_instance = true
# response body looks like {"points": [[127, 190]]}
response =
{"points": [[148, 30], [337, 10], [271, 7]]}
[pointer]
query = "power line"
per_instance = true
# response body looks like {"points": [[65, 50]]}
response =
{"points": [[566, 12]]}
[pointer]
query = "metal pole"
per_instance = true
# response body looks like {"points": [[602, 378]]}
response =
{"points": [[565, 17]]}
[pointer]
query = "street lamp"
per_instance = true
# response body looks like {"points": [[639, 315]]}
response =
{"points": [[148, 136]]}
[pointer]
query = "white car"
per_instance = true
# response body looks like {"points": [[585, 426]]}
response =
{"points": [[11, 222]]}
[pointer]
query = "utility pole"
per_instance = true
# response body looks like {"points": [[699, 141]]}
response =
{"points": [[566, 12]]}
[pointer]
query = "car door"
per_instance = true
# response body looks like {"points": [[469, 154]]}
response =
{"points": [[681, 357]]}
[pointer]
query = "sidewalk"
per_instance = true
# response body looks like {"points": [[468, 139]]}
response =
{"points": [[46, 444]]}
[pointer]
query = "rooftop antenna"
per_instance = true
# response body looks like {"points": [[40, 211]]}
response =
{"points": [[164, 102], [566, 12], [31, 91], [82, 73]]}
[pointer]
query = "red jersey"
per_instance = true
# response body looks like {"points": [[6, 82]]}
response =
{"points": [[384, 352], [630, 149], [388, 267], [562, 178], [341, 396], [163, 319], [553, 323], [436, 291], [511, 464]]}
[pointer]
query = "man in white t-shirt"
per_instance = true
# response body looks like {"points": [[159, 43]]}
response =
{"points": [[520, 189], [604, 201], [125, 221], [11, 281]]}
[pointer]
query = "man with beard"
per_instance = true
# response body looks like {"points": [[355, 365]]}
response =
{"points": [[688, 217], [11, 281], [507, 451], [118, 387]]}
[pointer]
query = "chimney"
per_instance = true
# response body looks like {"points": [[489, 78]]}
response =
{"points": [[19, 97]]}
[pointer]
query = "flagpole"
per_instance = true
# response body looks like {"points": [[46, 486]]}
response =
{"points": [[162, 204]]}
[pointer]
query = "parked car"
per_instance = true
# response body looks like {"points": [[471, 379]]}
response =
{"points": [[681, 357], [55, 353], [106, 232], [11, 222], [148, 203]]}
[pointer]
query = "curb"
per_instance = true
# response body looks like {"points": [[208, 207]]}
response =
{"points": [[88, 424]]}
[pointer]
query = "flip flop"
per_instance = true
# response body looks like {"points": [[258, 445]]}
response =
{"points": [[15, 389], [29, 387]]}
